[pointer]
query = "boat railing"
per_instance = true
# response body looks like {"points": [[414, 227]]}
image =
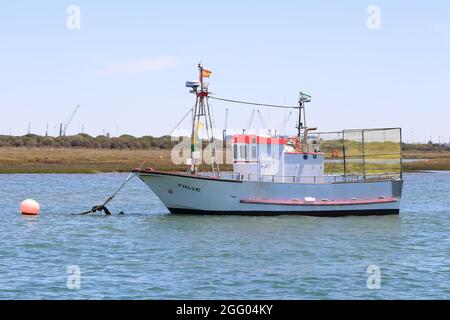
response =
{"points": [[319, 179]]}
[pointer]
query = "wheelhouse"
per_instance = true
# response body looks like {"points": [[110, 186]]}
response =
{"points": [[256, 157]]}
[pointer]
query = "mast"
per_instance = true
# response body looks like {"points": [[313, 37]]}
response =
{"points": [[202, 110], [301, 126], [303, 98]]}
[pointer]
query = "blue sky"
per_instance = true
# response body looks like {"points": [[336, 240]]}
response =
{"points": [[127, 64]]}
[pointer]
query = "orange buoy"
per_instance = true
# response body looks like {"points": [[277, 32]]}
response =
{"points": [[30, 207]]}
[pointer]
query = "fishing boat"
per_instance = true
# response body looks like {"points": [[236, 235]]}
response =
{"points": [[328, 174]]}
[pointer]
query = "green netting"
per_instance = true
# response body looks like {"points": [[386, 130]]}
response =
{"points": [[361, 152], [382, 151], [332, 145]]}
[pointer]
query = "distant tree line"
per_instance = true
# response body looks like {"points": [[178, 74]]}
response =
{"points": [[430, 146], [86, 141], [126, 141]]}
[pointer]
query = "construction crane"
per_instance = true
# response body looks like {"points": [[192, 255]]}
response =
{"points": [[62, 131]]}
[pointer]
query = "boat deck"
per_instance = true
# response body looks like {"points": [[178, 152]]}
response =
{"points": [[236, 177]]}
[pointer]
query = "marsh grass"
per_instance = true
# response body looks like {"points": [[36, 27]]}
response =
{"points": [[72, 160], [430, 165], [47, 160]]}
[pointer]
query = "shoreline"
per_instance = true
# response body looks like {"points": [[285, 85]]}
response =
{"points": [[90, 161]]}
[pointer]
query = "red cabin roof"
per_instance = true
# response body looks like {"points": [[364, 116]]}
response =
{"points": [[254, 139]]}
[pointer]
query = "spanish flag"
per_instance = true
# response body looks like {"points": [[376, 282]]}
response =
{"points": [[206, 73]]}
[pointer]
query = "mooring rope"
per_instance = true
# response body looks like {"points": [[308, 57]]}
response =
{"points": [[102, 207], [254, 103]]}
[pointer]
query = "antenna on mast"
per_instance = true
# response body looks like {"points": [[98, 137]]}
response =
{"points": [[303, 98]]}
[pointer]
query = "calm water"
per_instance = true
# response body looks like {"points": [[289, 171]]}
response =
{"points": [[148, 254]]}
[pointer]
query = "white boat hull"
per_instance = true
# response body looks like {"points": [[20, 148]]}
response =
{"points": [[191, 194]]}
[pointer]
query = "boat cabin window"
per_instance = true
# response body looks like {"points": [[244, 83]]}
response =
{"points": [[253, 152], [243, 151], [240, 152]]}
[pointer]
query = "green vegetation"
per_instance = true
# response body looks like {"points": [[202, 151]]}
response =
{"points": [[370, 157], [429, 147], [85, 154], [426, 151], [427, 165], [383, 156], [72, 160], [88, 142]]}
